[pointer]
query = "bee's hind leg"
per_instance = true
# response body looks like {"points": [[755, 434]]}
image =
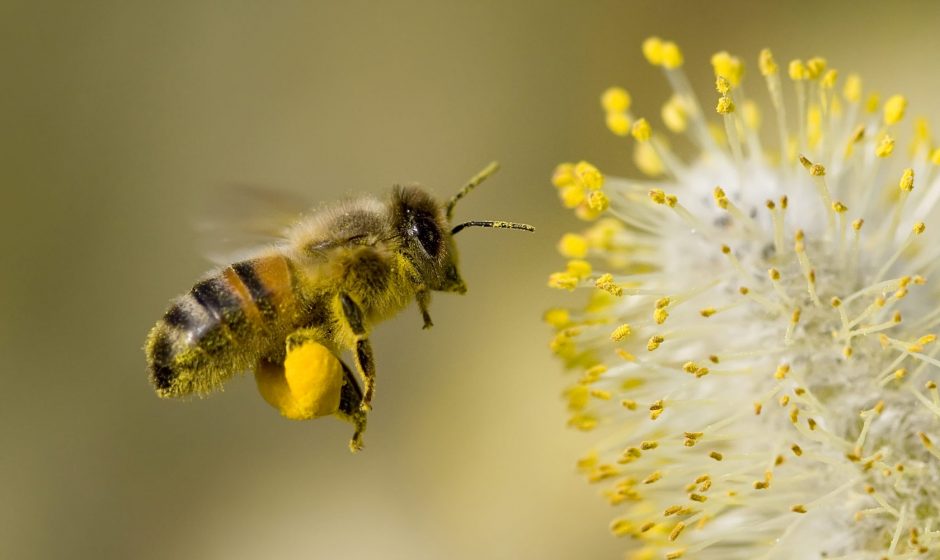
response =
{"points": [[364, 360], [349, 408]]}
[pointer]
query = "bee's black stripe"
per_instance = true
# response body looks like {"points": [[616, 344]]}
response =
{"points": [[260, 294], [180, 317], [216, 298]]}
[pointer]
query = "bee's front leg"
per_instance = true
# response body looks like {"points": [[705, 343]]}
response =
{"points": [[365, 363], [423, 296]]}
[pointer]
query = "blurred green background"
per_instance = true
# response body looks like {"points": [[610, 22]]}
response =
{"points": [[118, 119]]}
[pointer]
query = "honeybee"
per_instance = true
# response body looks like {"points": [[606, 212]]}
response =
{"points": [[290, 311]]}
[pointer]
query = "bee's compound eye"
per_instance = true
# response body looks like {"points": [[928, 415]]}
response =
{"points": [[429, 234]]}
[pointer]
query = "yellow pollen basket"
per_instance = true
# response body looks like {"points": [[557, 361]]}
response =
{"points": [[307, 386]]}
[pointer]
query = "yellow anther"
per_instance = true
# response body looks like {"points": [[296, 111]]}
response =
{"points": [[654, 342], [935, 156], [660, 316], [835, 302], [707, 312], [774, 274], [728, 66], [563, 281], [829, 79], [815, 169], [871, 104], [852, 90], [716, 455], [919, 228], [782, 371], [606, 283], [925, 440], [674, 115], [857, 224], [885, 146], [672, 55], [784, 400], [573, 246], [653, 51], [653, 477], [629, 404], [725, 105], [588, 175], [648, 445], [600, 394], [578, 268], [672, 510], [598, 201], [751, 114], [698, 498], [839, 207], [618, 123], [815, 67], [907, 180], [722, 85], [621, 332], [557, 317], [625, 356], [659, 197], [647, 160], [641, 130], [758, 407], [616, 100], [621, 527], [675, 554], [798, 508], [720, 197], [797, 70], [858, 134], [797, 450], [795, 317], [572, 195], [563, 175], [894, 109], [676, 531], [766, 62]]}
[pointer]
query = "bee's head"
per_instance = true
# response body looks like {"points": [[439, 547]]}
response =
{"points": [[428, 238]]}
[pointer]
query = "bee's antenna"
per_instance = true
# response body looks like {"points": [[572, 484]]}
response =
{"points": [[492, 224], [471, 184]]}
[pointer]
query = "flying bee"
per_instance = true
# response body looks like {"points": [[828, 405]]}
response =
{"points": [[290, 311]]}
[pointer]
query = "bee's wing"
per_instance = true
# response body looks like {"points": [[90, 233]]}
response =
{"points": [[239, 219]]}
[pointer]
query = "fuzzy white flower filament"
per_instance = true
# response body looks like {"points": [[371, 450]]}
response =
{"points": [[756, 350]]}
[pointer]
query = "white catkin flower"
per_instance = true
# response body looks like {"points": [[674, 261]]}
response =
{"points": [[756, 355]]}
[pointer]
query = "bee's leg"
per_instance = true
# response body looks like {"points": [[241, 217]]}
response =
{"points": [[349, 401], [364, 360], [424, 301]]}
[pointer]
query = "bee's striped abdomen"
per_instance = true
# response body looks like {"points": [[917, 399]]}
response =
{"points": [[221, 326]]}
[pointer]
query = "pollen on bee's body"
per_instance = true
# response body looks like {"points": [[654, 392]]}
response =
{"points": [[817, 331]]}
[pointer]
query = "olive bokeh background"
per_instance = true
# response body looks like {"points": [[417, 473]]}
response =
{"points": [[120, 118]]}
